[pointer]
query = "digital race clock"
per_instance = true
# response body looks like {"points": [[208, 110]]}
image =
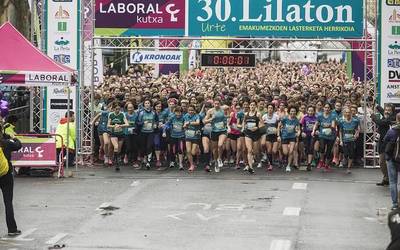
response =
{"points": [[228, 60]]}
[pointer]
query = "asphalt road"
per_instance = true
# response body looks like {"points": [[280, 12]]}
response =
{"points": [[178, 210]]}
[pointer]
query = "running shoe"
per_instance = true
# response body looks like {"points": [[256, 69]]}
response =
{"points": [[269, 167], [110, 162], [126, 159], [237, 166], [136, 166], [251, 170], [226, 162], [309, 167], [246, 168], [105, 160], [220, 163], [171, 164], [232, 161], [158, 164], [216, 168], [288, 169], [181, 167], [320, 165], [264, 158], [191, 169], [207, 169], [327, 168], [348, 171], [147, 166], [313, 163], [259, 165]]}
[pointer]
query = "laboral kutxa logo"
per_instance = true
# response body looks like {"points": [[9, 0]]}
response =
{"points": [[393, 2], [145, 12]]}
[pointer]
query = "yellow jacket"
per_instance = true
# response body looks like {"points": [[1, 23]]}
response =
{"points": [[62, 130], [10, 130]]}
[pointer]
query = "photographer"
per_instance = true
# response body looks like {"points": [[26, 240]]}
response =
{"points": [[383, 124], [8, 145]]}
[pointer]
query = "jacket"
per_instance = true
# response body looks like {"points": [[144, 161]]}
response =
{"points": [[383, 123], [390, 141], [62, 130], [9, 145]]}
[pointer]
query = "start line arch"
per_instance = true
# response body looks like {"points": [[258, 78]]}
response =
{"points": [[368, 46]]}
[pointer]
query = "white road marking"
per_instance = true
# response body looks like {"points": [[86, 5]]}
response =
{"points": [[231, 207], [243, 218], [280, 245], [135, 183], [291, 211], [204, 218], [175, 216], [105, 204], [370, 219], [56, 238], [205, 206], [299, 186]]}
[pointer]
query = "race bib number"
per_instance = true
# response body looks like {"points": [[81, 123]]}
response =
{"points": [[190, 133], [327, 131], [251, 125], [207, 128], [310, 126], [148, 125], [177, 127], [348, 136], [290, 128], [271, 130], [220, 125], [234, 126], [131, 131]]}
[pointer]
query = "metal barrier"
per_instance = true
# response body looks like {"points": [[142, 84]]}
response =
{"points": [[40, 151], [23, 114]]}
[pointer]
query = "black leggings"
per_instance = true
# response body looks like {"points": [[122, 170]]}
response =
{"points": [[146, 141], [325, 147], [131, 146], [7, 187]]}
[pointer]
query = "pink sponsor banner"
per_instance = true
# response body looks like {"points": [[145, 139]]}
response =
{"points": [[140, 17], [35, 152]]}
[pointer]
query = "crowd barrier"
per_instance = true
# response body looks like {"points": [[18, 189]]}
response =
{"points": [[39, 151]]}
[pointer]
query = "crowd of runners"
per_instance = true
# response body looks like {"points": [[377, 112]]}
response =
{"points": [[277, 115]]}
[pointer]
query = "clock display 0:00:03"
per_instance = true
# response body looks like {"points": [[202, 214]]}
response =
{"points": [[229, 60]]}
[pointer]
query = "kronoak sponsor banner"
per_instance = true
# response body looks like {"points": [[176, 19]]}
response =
{"points": [[157, 57], [276, 18], [140, 17], [389, 62]]}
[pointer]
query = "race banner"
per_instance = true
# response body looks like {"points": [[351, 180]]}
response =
{"points": [[140, 17], [35, 78], [276, 18], [156, 57], [389, 66], [35, 152]]}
